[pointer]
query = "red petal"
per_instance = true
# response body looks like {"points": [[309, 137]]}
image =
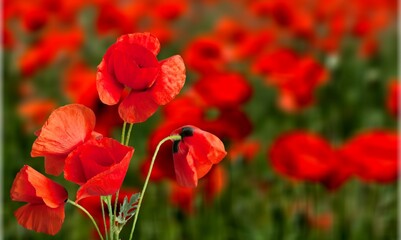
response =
{"points": [[31, 186], [206, 145], [137, 107], [109, 181], [66, 127], [184, 167], [22, 190], [170, 80], [133, 65], [40, 218], [54, 164], [146, 40], [108, 88]]}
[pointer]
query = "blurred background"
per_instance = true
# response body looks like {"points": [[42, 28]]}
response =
{"points": [[304, 94]]}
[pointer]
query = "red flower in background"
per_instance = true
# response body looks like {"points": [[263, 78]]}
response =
{"points": [[99, 166], [245, 150], [35, 112], [296, 80], [44, 211], [195, 154], [65, 129], [80, 87], [131, 63], [206, 55], [45, 51], [393, 99], [211, 89], [374, 155], [303, 156]]}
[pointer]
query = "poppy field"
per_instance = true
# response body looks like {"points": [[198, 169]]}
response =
{"points": [[211, 119]]}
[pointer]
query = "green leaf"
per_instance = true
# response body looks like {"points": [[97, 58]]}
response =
{"points": [[128, 209]]}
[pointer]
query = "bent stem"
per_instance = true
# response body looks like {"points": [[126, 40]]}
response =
{"points": [[172, 138], [89, 215]]}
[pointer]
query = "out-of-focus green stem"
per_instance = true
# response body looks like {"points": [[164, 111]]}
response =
{"points": [[89, 215], [172, 138]]}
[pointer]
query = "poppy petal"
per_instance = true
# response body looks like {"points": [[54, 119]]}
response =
{"points": [[109, 181], [33, 187], [109, 89], [105, 183], [54, 164], [66, 127], [41, 218], [184, 167], [171, 80], [137, 107], [146, 40]]}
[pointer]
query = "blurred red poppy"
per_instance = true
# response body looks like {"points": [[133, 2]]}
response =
{"points": [[195, 154], [296, 80], [183, 198], [45, 51], [46, 199], [206, 55], [210, 88], [80, 87], [65, 129], [374, 154], [99, 166], [35, 112], [245, 150], [131, 63], [302, 156], [214, 183], [393, 99]]}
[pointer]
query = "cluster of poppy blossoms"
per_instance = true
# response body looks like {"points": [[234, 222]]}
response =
{"points": [[130, 73]]}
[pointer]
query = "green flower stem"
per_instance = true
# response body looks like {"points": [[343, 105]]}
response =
{"points": [[111, 216], [89, 215], [128, 134], [172, 138], [104, 218], [123, 133]]}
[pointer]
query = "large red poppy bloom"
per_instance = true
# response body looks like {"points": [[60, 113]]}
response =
{"points": [[45, 209], [99, 166], [65, 129], [131, 63], [374, 155], [195, 154]]}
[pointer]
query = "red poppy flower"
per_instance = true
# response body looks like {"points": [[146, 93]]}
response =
{"points": [[245, 150], [131, 63], [302, 156], [296, 80], [45, 209], [206, 54], [99, 166], [215, 181], [183, 198], [35, 112], [393, 98], [80, 87], [195, 154], [210, 88], [374, 154], [65, 129]]}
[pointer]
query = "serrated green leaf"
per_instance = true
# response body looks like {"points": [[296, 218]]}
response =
{"points": [[127, 209]]}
